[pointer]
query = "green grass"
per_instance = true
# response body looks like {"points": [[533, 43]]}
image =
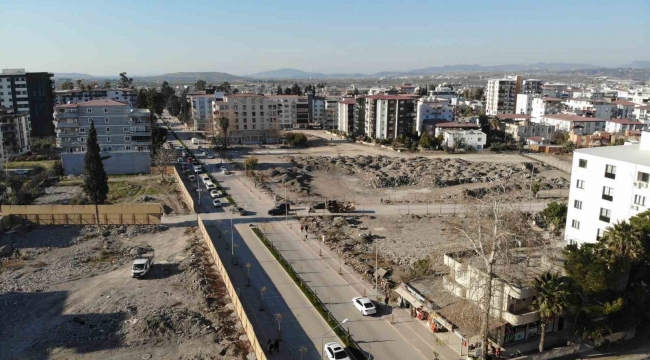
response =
{"points": [[47, 164], [341, 333]]}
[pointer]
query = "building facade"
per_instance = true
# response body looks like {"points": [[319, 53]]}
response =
{"points": [[474, 139], [14, 134], [123, 135], [331, 114], [346, 115], [545, 106], [29, 93], [502, 95], [575, 123], [253, 118], [431, 110], [202, 109], [525, 129], [128, 96], [390, 116]]}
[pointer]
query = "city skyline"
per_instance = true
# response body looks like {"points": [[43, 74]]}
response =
{"points": [[147, 38]]}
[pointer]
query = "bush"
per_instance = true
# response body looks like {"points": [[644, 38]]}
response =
{"points": [[297, 139], [57, 168]]}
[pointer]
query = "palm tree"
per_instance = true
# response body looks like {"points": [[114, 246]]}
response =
{"points": [[552, 300], [495, 124], [223, 125], [623, 241]]}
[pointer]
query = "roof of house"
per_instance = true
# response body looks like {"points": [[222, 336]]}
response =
{"points": [[573, 118], [552, 99], [625, 122], [512, 116], [242, 95], [452, 124], [628, 153], [99, 102], [643, 107], [203, 96], [348, 101], [623, 103], [391, 97], [535, 138]]}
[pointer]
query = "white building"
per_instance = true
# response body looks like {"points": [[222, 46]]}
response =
{"points": [[608, 184], [546, 106], [568, 122], [202, 109], [432, 110], [474, 139], [642, 113], [317, 110], [588, 107], [252, 118], [502, 95], [525, 129], [524, 104], [620, 126], [443, 92], [128, 96], [346, 115]]}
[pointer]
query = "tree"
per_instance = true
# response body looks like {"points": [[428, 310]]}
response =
{"points": [[199, 85], [125, 81], [287, 91], [534, 188], [95, 179], [279, 91], [495, 125], [295, 90], [623, 241], [274, 131], [167, 92], [107, 84], [163, 158], [141, 100], [552, 300], [425, 141], [57, 168], [224, 123], [619, 141], [155, 101], [224, 87], [555, 214], [297, 139], [158, 138], [68, 85], [251, 163], [80, 85]]}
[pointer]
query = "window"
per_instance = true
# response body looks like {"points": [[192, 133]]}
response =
{"points": [[108, 139], [82, 130], [107, 120], [105, 110], [644, 177], [582, 163], [89, 111], [580, 184], [127, 148], [90, 120], [605, 215], [639, 200], [126, 129], [610, 172], [575, 224], [108, 129], [127, 138], [599, 233], [577, 204], [608, 193], [479, 139]]}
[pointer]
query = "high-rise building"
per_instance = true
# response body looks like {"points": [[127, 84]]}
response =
{"points": [[390, 116], [29, 93], [430, 111], [14, 133], [346, 115], [123, 135], [502, 94]]}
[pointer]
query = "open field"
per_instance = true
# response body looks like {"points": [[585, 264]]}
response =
{"points": [[67, 293]]}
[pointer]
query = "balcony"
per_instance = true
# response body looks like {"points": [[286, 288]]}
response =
{"points": [[65, 115], [604, 218], [66, 123], [521, 317]]}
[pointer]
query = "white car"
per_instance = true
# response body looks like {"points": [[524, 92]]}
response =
{"points": [[215, 193], [205, 178], [210, 185], [216, 203], [223, 168], [335, 351], [210, 156], [364, 305]]}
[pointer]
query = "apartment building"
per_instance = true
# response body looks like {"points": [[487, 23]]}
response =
{"points": [[331, 113], [292, 111], [587, 107], [575, 123], [555, 90], [623, 109], [29, 93], [546, 106], [525, 129], [253, 118], [443, 92], [620, 126], [317, 110], [123, 135], [608, 184], [14, 133], [346, 115], [642, 113], [431, 110], [531, 87], [129, 96], [202, 109], [501, 95], [390, 116], [475, 139], [525, 104]]}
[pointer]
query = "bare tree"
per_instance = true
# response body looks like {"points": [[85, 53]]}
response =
{"points": [[274, 131], [164, 157]]}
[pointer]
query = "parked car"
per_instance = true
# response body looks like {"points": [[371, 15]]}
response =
{"points": [[335, 351], [180, 160], [280, 209], [364, 305], [190, 159], [216, 203], [210, 185], [242, 211], [191, 178], [215, 193], [210, 156], [222, 168]]}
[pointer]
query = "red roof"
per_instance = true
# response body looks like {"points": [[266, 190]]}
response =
{"points": [[452, 124], [348, 101], [100, 102], [242, 95], [625, 122], [572, 118], [535, 138], [392, 97], [512, 116], [552, 99], [623, 102], [644, 107]]}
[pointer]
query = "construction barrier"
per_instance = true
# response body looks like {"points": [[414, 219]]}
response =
{"points": [[186, 194], [122, 214], [239, 309]]}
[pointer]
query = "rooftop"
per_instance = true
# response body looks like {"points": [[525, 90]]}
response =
{"points": [[572, 118], [99, 102], [457, 125], [391, 97], [625, 122], [348, 101], [512, 116], [623, 103], [628, 153]]}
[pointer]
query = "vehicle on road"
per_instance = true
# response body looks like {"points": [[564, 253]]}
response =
{"points": [[210, 156], [216, 203], [241, 211], [335, 351], [280, 209], [205, 178], [364, 305], [215, 193], [142, 264], [195, 141], [189, 159], [210, 185], [180, 160], [184, 153], [222, 168], [191, 178]]}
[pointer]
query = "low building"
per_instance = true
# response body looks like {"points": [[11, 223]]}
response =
{"points": [[619, 126], [575, 123], [474, 139], [406, 88], [14, 134], [589, 107], [642, 113], [431, 110], [512, 117], [537, 140], [597, 139], [624, 109], [123, 135], [438, 128], [346, 115], [526, 129]]}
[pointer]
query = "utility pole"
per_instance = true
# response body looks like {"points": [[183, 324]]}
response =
{"points": [[376, 274]]}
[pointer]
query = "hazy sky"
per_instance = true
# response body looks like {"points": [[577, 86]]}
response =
{"points": [[141, 37]]}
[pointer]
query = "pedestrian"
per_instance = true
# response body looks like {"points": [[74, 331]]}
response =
{"points": [[269, 346], [305, 236], [498, 352], [277, 345], [386, 300], [302, 228], [381, 200]]}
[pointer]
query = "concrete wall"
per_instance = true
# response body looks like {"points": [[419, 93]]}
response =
{"points": [[135, 214], [186, 194], [119, 163]]}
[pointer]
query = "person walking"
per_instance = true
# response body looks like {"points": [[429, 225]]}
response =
{"points": [[302, 228], [305, 236], [276, 344], [269, 346]]}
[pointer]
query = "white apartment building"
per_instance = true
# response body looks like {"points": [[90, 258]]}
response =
{"points": [[123, 134], [14, 134], [317, 110], [431, 110], [346, 115], [588, 107], [253, 118], [525, 129], [642, 113], [567, 122], [608, 184], [620, 126], [524, 104], [128, 96], [443, 92], [202, 109], [474, 139], [545, 106], [502, 95]]}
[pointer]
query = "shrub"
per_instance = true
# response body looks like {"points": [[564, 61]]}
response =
{"points": [[57, 168], [297, 139]]}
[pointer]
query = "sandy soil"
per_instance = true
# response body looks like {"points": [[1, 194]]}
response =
{"points": [[67, 293]]}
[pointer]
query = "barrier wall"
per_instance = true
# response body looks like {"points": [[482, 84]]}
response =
{"points": [[186, 194], [239, 309], [122, 214]]}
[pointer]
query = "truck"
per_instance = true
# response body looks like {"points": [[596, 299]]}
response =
{"points": [[195, 141], [280, 209], [142, 264]]}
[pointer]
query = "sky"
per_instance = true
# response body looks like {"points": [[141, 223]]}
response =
{"points": [[240, 37]]}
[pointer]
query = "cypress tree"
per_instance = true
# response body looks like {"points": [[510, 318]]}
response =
{"points": [[95, 181]]}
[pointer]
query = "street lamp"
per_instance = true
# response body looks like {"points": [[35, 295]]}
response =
{"points": [[322, 337], [248, 274]]}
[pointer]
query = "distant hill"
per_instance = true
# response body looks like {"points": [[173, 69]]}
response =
{"points": [[637, 65], [75, 76], [286, 74], [191, 77]]}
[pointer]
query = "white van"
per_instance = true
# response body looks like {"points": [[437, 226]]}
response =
{"points": [[195, 141]]}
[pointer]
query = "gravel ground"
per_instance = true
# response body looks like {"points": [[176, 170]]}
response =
{"points": [[67, 293], [58, 195]]}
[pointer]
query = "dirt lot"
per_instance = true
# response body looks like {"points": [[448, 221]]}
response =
{"points": [[369, 179], [67, 293], [122, 190]]}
